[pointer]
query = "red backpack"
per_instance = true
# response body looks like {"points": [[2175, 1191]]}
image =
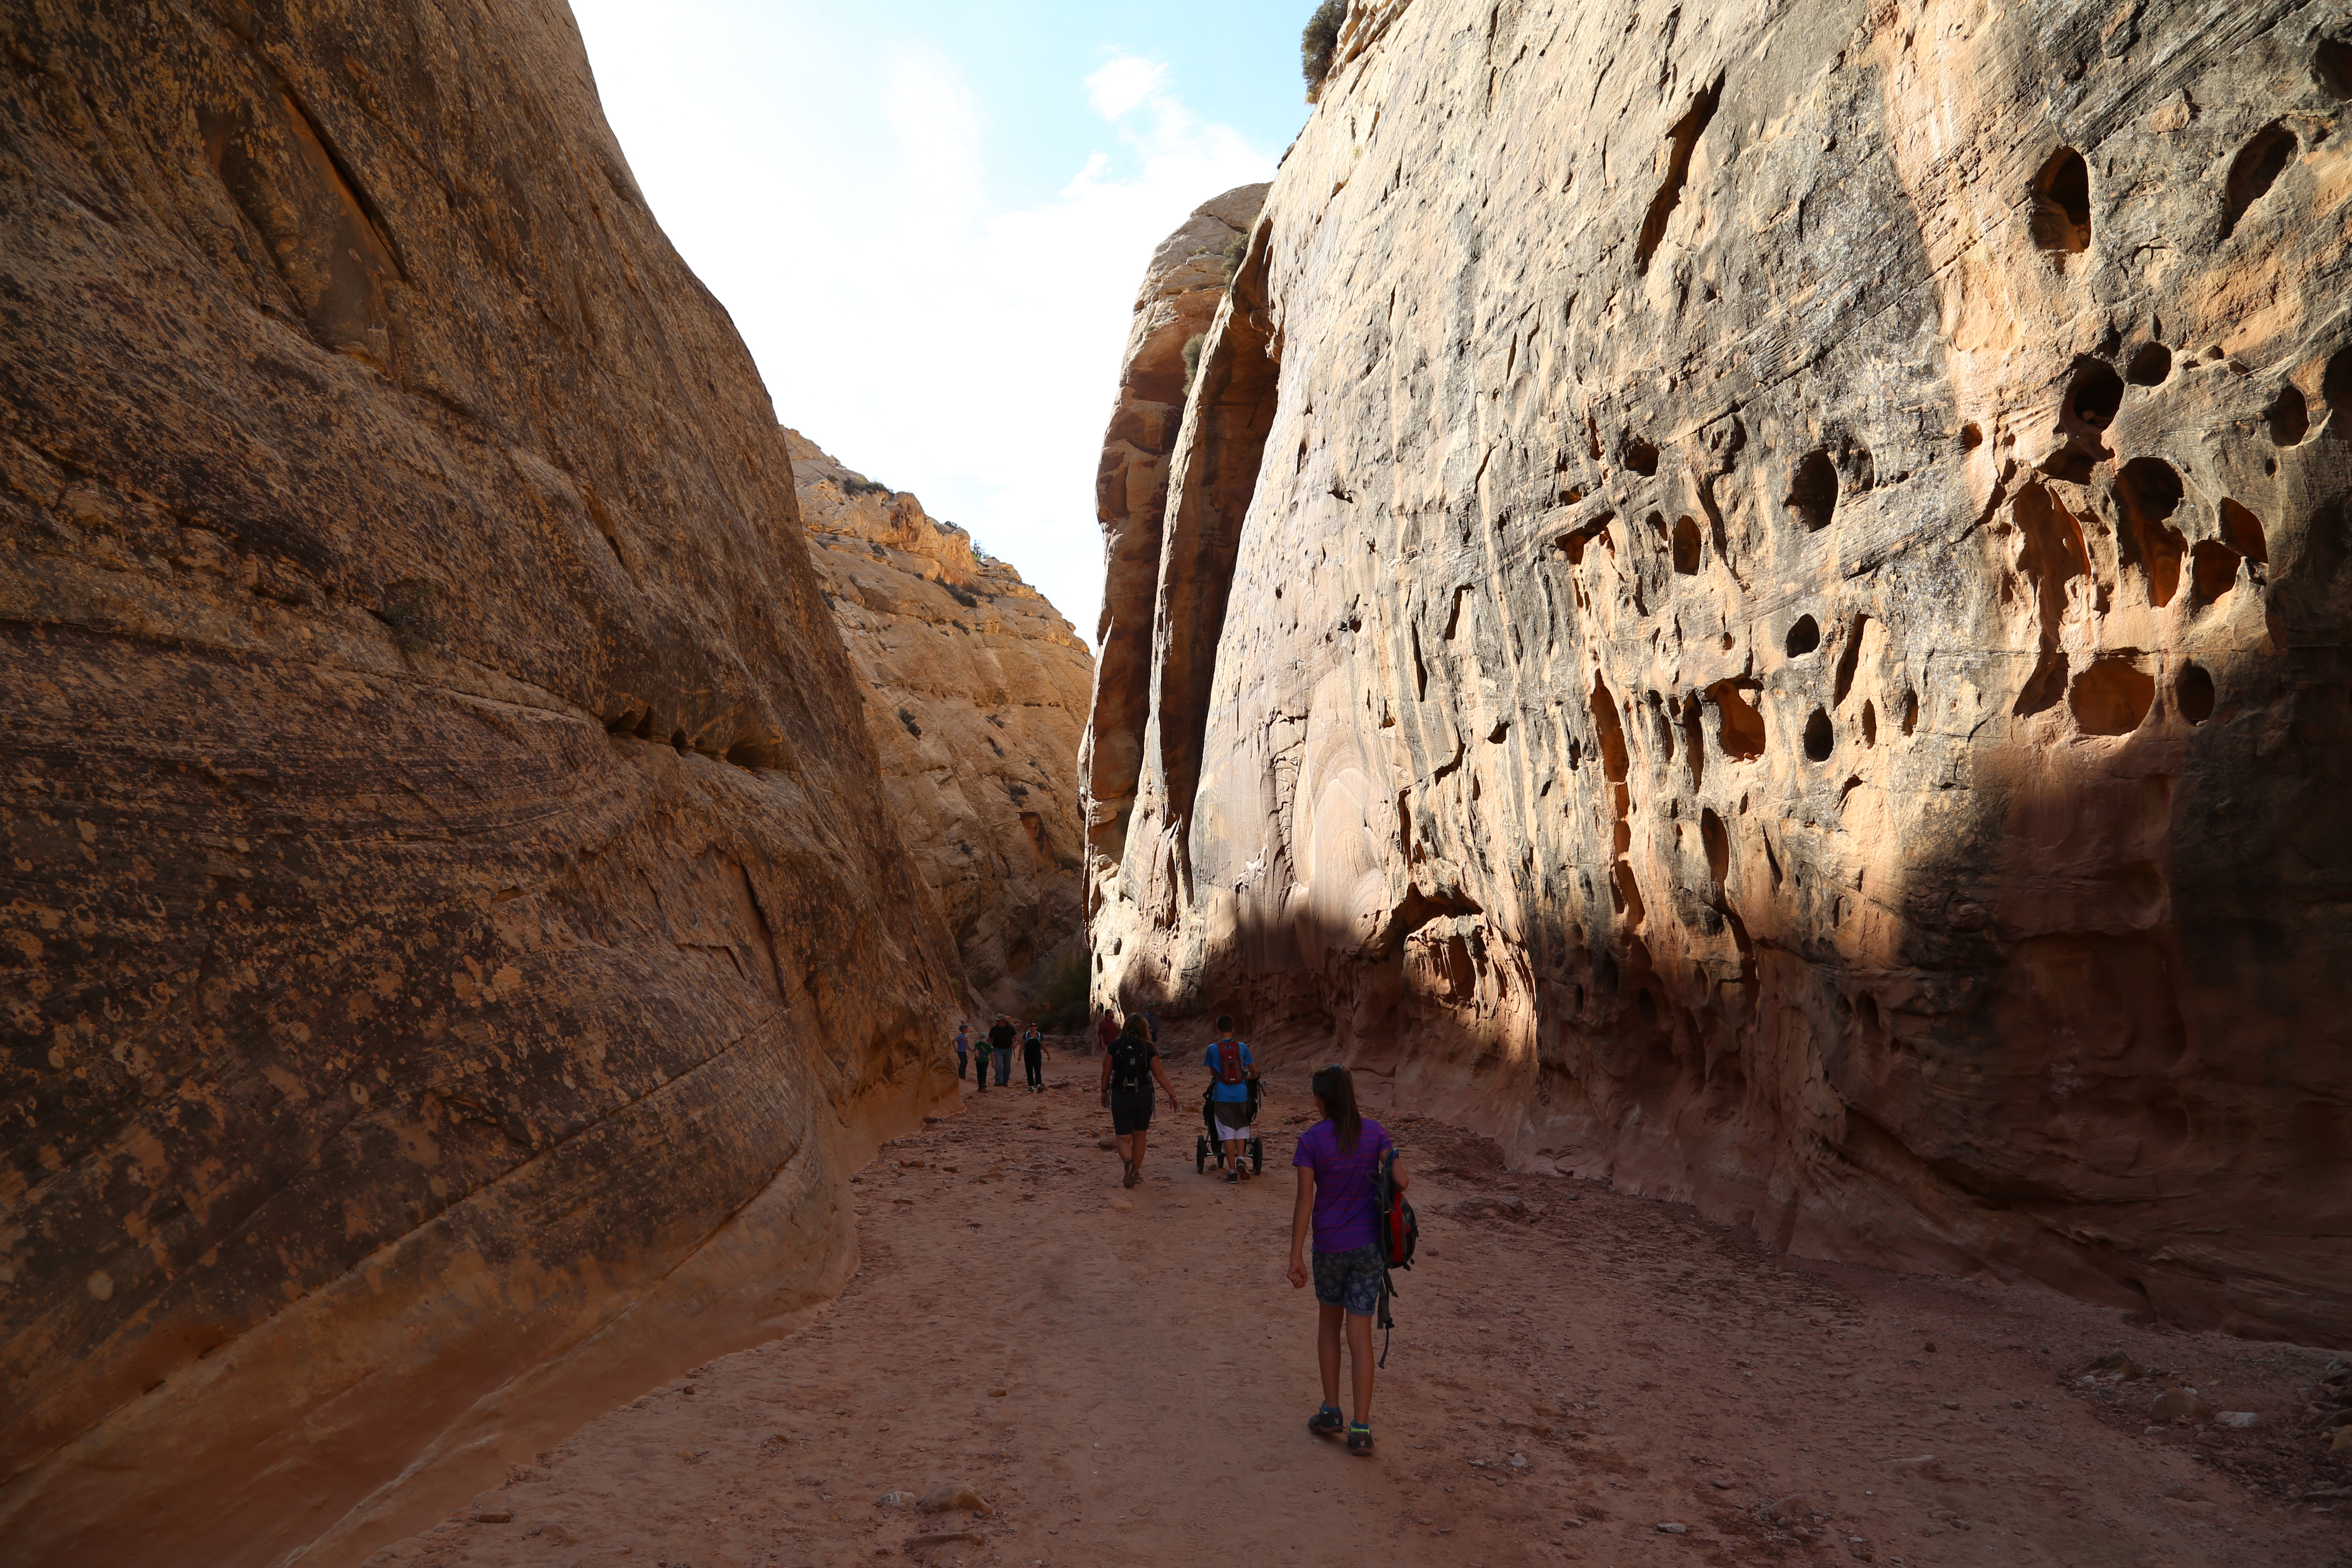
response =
{"points": [[1229, 1062]]}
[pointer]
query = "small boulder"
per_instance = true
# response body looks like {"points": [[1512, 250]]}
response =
{"points": [[2179, 1405], [1501, 1206], [1673, 1529], [894, 1499], [494, 1516], [2236, 1418], [950, 1500]]}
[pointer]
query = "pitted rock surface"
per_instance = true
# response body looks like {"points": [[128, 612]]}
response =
{"points": [[1753, 599], [456, 938], [975, 694]]}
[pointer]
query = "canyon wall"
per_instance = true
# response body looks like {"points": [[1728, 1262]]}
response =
{"points": [[455, 941], [1754, 598], [976, 695]]}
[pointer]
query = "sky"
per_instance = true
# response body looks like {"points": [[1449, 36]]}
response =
{"points": [[927, 219]]}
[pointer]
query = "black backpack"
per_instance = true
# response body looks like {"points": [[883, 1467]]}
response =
{"points": [[1130, 1067]]}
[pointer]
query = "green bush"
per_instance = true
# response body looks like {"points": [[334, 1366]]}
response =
{"points": [[851, 485], [1233, 253], [1061, 1002], [1319, 42], [408, 611], [1192, 359]]}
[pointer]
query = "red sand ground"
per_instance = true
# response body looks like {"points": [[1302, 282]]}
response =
{"points": [[1131, 1387]]}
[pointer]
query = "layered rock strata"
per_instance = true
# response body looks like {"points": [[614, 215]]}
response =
{"points": [[454, 934], [975, 697], [1182, 289], [1757, 599]]}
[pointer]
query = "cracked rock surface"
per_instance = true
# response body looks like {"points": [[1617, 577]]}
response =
{"points": [[455, 938], [1753, 600], [976, 695]]}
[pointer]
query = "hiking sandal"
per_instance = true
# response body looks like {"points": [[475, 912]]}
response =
{"points": [[1360, 1441], [1327, 1422]]}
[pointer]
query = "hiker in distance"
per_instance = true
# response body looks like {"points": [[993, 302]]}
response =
{"points": [[1339, 1162], [963, 1048], [999, 1044], [1229, 1096], [1128, 1069], [1033, 1058]]}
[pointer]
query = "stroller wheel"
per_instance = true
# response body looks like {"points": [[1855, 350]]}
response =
{"points": [[1257, 1156], [1199, 1156]]}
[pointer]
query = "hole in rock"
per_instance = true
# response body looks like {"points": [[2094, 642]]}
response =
{"points": [[1869, 725], [2336, 391], [1611, 732], [2149, 492], [1849, 658], [1740, 728], [1718, 847], [2212, 571], [1813, 493], [1971, 436], [1821, 738], [2046, 685], [2241, 531], [757, 752], [2095, 394], [2253, 171], [2193, 693], [2112, 697], [1641, 458], [1682, 141], [1804, 636], [2331, 68], [1687, 547], [2290, 417], [2061, 202], [1910, 712], [2150, 363], [1695, 741], [645, 730], [679, 742], [1647, 1006]]}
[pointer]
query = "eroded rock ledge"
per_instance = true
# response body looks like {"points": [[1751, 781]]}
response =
{"points": [[976, 695], [1757, 602], [454, 934]]}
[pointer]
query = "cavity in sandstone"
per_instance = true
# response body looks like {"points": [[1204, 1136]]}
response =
{"points": [[1755, 600]]}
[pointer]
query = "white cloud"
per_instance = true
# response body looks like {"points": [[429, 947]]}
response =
{"points": [[1117, 87], [961, 349]]}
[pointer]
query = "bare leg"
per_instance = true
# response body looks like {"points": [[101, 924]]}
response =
{"points": [[1235, 1150], [1360, 1352], [1326, 1352]]}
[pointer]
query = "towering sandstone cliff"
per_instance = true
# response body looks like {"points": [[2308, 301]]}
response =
{"points": [[976, 697], [1756, 596], [454, 934]]}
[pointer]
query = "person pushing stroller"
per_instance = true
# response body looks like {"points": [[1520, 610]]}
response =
{"points": [[1232, 1096]]}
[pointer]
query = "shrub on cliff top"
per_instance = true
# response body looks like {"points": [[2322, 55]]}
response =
{"points": [[1192, 359], [1318, 42], [1235, 248]]}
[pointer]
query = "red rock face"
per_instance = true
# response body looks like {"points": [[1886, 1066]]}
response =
{"points": [[1757, 603], [454, 940]]}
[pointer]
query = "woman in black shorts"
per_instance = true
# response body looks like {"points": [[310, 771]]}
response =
{"points": [[1128, 1067]]}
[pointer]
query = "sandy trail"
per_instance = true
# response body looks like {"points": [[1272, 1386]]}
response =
{"points": [[1131, 1387]]}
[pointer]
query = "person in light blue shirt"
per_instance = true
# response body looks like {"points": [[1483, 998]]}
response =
{"points": [[1230, 1061]]}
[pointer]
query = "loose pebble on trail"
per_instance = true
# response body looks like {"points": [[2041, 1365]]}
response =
{"points": [[1124, 1377]]}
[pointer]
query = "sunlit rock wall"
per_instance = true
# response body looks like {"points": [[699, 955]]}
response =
{"points": [[1753, 596], [454, 939], [975, 694]]}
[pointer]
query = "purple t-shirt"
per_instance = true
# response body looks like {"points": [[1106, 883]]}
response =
{"points": [[1347, 1208]]}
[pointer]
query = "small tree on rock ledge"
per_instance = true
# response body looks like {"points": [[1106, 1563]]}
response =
{"points": [[1319, 43]]}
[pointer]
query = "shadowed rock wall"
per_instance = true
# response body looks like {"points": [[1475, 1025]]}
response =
{"points": [[1756, 600], [454, 940], [975, 694]]}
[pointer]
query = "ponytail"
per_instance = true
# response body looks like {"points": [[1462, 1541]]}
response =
{"points": [[1335, 1085]]}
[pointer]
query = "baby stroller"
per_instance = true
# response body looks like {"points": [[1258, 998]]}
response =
{"points": [[1208, 1146]]}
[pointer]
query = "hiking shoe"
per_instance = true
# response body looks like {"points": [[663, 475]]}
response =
{"points": [[1360, 1441], [1133, 1178], [1232, 1175], [1327, 1422]]}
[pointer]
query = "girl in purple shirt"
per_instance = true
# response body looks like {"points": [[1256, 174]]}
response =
{"points": [[1339, 1162]]}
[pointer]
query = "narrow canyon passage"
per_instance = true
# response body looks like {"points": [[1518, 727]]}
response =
{"points": [[1129, 1385]]}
